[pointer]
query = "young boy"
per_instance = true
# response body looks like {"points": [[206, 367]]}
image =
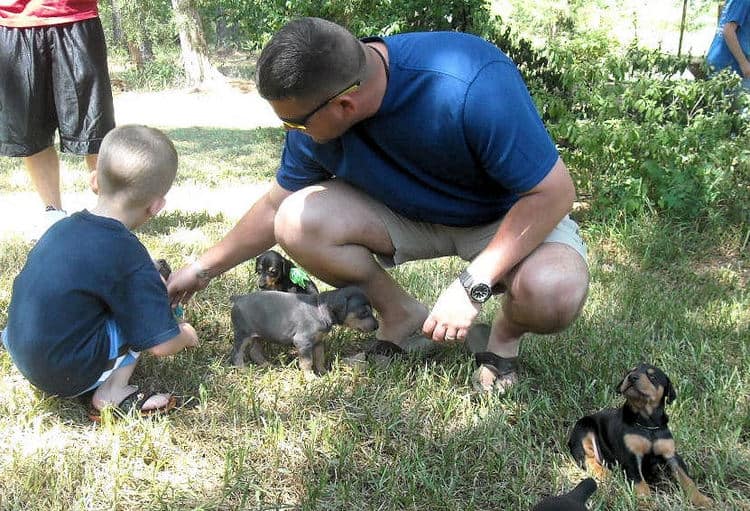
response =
{"points": [[89, 299]]}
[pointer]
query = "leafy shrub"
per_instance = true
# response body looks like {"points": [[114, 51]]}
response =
{"points": [[639, 137], [258, 20], [164, 72]]}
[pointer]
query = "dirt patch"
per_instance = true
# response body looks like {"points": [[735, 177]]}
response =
{"points": [[231, 105]]}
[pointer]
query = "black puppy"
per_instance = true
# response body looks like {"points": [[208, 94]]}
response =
{"points": [[575, 500], [634, 436], [162, 266], [299, 319], [275, 274]]}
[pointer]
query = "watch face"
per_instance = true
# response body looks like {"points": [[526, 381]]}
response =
{"points": [[480, 293]]}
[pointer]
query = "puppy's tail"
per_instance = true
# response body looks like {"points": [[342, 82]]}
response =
{"points": [[583, 491]]}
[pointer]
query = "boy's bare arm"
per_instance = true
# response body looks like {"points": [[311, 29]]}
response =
{"points": [[187, 338]]}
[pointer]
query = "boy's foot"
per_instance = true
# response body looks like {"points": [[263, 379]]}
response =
{"points": [[143, 404]]}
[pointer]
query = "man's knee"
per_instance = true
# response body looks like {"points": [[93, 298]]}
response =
{"points": [[548, 300], [298, 219]]}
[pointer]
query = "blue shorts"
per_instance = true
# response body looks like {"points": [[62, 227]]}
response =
{"points": [[120, 355]]}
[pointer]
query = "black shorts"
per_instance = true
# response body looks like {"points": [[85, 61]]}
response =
{"points": [[54, 78]]}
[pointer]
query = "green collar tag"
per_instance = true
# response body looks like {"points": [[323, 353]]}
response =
{"points": [[298, 276]]}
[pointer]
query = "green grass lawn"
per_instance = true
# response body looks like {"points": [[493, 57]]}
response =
{"points": [[412, 435]]}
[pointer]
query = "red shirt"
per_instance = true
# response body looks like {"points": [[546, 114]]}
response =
{"points": [[39, 13]]}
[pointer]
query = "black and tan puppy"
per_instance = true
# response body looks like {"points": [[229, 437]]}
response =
{"points": [[162, 266], [634, 436], [299, 319], [275, 274], [574, 500]]}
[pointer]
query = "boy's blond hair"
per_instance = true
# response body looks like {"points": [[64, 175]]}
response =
{"points": [[136, 164]]}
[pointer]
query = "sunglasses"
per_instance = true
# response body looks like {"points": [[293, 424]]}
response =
{"points": [[299, 122]]}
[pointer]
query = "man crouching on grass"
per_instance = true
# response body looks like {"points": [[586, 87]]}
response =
{"points": [[89, 299]]}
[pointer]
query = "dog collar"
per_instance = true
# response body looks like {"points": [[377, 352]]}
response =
{"points": [[298, 276], [650, 428]]}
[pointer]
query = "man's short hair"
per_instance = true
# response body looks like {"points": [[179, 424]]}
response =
{"points": [[309, 58], [136, 162]]}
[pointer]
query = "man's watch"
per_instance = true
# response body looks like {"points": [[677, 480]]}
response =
{"points": [[478, 291]]}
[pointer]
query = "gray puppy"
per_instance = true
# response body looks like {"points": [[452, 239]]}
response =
{"points": [[299, 319]]}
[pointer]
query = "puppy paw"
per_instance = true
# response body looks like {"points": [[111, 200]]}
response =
{"points": [[643, 495], [700, 500]]}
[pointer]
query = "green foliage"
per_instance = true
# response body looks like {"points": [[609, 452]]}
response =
{"points": [[637, 135], [164, 72], [256, 20], [144, 19]]}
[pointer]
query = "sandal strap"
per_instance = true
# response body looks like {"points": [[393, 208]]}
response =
{"points": [[503, 366], [386, 349]]}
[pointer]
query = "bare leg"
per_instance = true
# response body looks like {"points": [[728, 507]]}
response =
{"points": [[319, 358], [117, 388], [545, 293], [91, 160], [332, 230], [44, 170]]}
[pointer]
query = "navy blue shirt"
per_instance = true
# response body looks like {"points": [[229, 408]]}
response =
{"points": [[456, 139], [82, 271]]}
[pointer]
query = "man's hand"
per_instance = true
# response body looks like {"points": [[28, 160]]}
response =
{"points": [[745, 66], [185, 282], [452, 315]]}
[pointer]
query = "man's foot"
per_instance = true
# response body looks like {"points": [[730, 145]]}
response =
{"points": [[494, 373], [51, 216], [400, 330]]}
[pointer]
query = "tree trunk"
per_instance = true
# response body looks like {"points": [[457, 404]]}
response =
{"points": [[117, 33], [198, 69], [135, 54]]}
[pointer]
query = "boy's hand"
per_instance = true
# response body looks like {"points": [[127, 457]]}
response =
{"points": [[187, 338], [191, 336]]}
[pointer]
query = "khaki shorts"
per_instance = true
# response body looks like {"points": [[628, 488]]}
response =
{"points": [[421, 240]]}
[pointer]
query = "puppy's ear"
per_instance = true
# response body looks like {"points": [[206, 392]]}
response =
{"points": [[669, 393], [286, 266], [338, 304], [257, 264], [621, 383]]}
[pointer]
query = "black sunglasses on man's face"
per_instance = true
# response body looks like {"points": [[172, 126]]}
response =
{"points": [[299, 122]]}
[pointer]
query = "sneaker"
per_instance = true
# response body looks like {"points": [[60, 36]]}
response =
{"points": [[51, 216]]}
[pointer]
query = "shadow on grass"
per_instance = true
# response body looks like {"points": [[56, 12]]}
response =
{"points": [[165, 223], [215, 156]]}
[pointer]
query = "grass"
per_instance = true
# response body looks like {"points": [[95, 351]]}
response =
{"points": [[412, 435]]}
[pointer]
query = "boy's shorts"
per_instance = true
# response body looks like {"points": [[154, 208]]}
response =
{"points": [[54, 78], [119, 354], [415, 240]]}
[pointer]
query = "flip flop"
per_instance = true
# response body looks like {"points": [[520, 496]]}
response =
{"points": [[133, 404], [494, 372], [383, 348]]}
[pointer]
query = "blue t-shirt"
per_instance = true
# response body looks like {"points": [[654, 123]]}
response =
{"points": [[456, 139], [719, 56], [82, 271]]}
